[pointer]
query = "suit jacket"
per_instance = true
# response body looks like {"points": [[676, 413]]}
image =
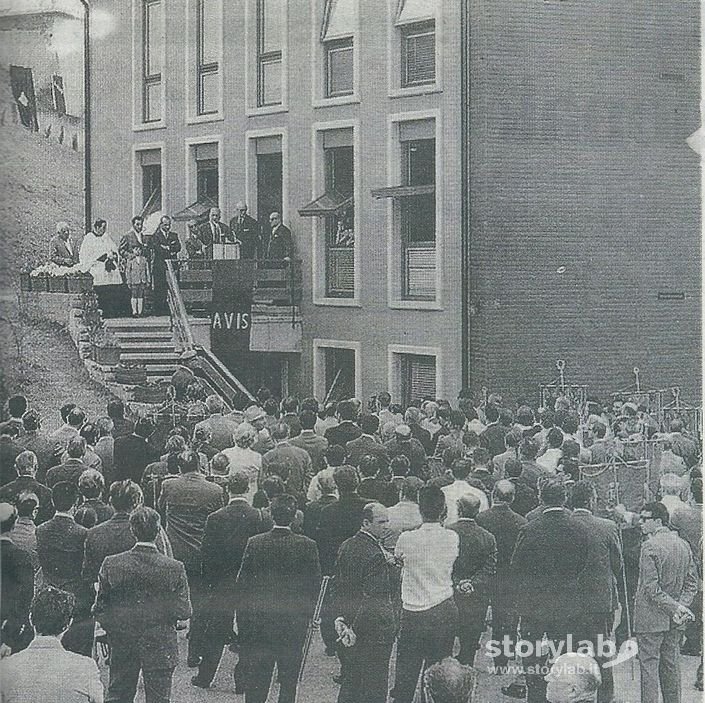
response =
{"points": [[339, 521], [277, 586], [413, 451], [221, 428], [667, 578], [70, 471], [315, 445], [492, 439], [250, 236], [11, 491], [205, 233], [364, 445], [298, 470], [60, 544], [59, 253], [16, 591], [291, 420], [187, 501], [45, 672], [141, 595], [131, 454], [424, 437], [312, 514], [280, 244], [688, 523], [343, 433], [43, 447], [9, 451], [364, 589], [550, 553], [377, 489], [103, 512], [525, 498], [477, 558], [597, 583]]}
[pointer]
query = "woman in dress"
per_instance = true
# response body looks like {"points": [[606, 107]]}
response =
{"points": [[100, 256]]}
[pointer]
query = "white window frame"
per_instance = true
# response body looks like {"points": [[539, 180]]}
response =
{"points": [[137, 149], [395, 89], [319, 364], [137, 69], [251, 137], [395, 351], [319, 60], [394, 263], [191, 67], [190, 168], [318, 255], [252, 64]]}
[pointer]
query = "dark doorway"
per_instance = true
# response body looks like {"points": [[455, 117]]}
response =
{"points": [[22, 85], [269, 188], [207, 179], [340, 374]]}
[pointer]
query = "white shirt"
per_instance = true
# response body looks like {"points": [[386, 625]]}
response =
{"points": [[246, 460], [456, 490], [548, 461], [314, 488], [428, 554]]}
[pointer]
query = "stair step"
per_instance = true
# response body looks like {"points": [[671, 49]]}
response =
{"points": [[141, 345], [149, 358], [163, 336]]}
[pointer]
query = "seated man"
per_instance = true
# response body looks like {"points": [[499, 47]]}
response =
{"points": [[573, 678]]}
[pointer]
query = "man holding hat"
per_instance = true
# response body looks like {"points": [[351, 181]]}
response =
{"points": [[255, 416]]}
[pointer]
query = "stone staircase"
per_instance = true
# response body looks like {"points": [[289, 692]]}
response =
{"points": [[147, 341]]}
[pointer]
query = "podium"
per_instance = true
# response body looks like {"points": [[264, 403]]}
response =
{"points": [[227, 251]]}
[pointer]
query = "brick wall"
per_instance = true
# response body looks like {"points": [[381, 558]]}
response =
{"points": [[585, 198], [49, 307]]}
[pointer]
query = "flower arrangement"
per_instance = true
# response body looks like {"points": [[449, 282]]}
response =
{"points": [[106, 347], [61, 279]]}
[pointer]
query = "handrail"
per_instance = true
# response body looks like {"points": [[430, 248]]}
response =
{"points": [[177, 309]]}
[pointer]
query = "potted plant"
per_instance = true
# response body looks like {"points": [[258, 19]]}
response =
{"points": [[130, 374], [106, 348]]}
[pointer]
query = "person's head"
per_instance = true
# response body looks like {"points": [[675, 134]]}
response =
{"points": [[570, 424], [275, 219], [345, 478], [369, 466], [461, 469], [10, 430], [599, 430], [104, 426], [450, 456], [410, 488], [65, 411], [345, 411], [238, 483], [412, 416], [202, 435], [512, 468], [214, 404], [76, 448], [165, 223], [125, 496], [471, 439], [375, 519], [27, 505], [400, 465], [280, 432], [528, 449], [86, 517], [26, 463], [255, 416], [89, 432], [402, 433], [31, 422], [512, 439], [310, 404], [573, 678], [384, 399], [220, 465], [307, 418], [571, 449], [144, 427], [188, 461], [456, 420], [432, 503], [525, 416], [326, 482], [144, 524], [653, 516], [272, 486], [63, 230], [504, 491], [214, 214], [468, 506], [583, 495], [241, 209], [430, 409], [671, 485], [245, 435], [696, 490], [137, 223], [491, 413], [369, 424], [64, 494], [8, 517], [99, 227], [290, 405], [448, 681], [335, 455], [283, 509], [271, 407], [51, 611], [175, 444], [554, 438], [553, 494], [76, 418], [116, 409], [17, 406], [481, 458], [91, 484]]}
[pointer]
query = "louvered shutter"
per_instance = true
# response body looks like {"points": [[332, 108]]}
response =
{"points": [[420, 274], [341, 272], [419, 377], [419, 55]]}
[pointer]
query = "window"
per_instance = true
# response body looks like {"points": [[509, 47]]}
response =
{"points": [[340, 224], [207, 176], [151, 170], [270, 183], [152, 60], [270, 37], [418, 54], [339, 68], [417, 377], [208, 48], [339, 374]]}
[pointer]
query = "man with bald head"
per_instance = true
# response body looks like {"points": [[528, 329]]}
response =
{"points": [[214, 231], [473, 573], [63, 250], [573, 678], [504, 524], [281, 243], [247, 230]]}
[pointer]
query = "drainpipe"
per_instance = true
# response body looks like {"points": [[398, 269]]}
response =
{"points": [[465, 80], [87, 114]]}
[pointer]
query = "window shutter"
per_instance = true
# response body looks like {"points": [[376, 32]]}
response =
{"points": [[340, 68], [420, 58], [419, 377], [151, 157], [420, 272], [205, 152], [341, 272]]}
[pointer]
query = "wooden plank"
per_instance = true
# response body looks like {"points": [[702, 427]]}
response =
{"points": [[196, 296]]}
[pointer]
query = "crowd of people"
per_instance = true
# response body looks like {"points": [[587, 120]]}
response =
{"points": [[385, 526], [138, 262]]}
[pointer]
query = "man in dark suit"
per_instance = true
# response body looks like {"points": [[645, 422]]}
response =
{"points": [[403, 443], [247, 230], [9, 451], [364, 591], [71, 469], [551, 551], [413, 417], [374, 485], [63, 250], [367, 443], [504, 524], [292, 464], [492, 438], [60, 546], [525, 498], [16, 587], [132, 453], [277, 587], [164, 245], [34, 440], [213, 231], [280, 244], [346, 430], [312, 512], [311, 442], [597, 583], [141, 596], [26, 467], [224, 541], [473, 573]]}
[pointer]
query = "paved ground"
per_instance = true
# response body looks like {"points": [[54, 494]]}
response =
{"points": [[318, 686]]}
